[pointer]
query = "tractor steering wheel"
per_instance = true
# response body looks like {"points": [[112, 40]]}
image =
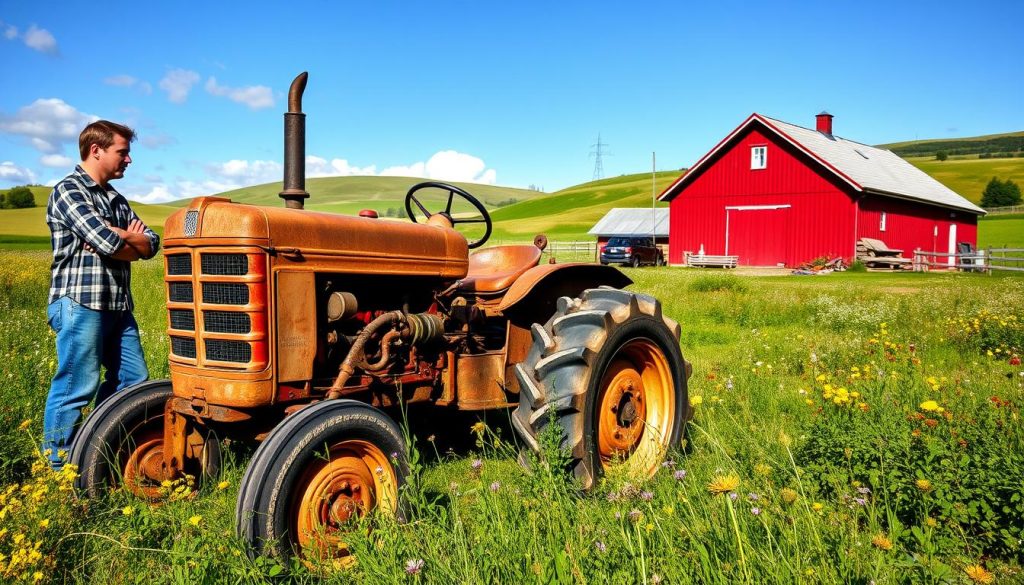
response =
{"points": [[484, 217]]}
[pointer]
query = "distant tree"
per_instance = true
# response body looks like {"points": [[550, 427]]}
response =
{"points": [[19, 198], [1000, 194], [941, 155], [3, 202]]}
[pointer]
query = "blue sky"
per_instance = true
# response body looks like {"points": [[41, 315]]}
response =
{"points": [[509, 93]]}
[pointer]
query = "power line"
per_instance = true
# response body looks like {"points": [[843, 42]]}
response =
{"points": [[598, 153]]}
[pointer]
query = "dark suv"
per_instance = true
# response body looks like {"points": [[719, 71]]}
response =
{"points": [[632, 251]]}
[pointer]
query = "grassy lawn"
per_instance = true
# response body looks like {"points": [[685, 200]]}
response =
{"points": [[968, 176], [849, 428]]}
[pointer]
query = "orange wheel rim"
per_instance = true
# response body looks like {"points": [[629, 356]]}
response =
{"points": [[354, 478], [143, 469], [636, 407]]}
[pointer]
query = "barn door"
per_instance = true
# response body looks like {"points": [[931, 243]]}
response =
{"points": [[758, 234]]}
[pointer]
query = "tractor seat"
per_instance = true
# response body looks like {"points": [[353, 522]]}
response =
{"points": [[493, 270]]}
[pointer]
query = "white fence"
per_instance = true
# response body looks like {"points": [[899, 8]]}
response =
{"points": [[573, 251], [985, 260], [1003, 210]]}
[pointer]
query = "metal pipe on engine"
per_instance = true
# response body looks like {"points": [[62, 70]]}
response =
{"points": [[357, 353], [294, 193]]}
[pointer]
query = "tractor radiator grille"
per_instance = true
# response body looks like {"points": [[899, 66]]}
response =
{"points": [[217, 307]]}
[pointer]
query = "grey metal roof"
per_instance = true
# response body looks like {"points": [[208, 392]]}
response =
{"points": [[622, 221], [875, 169], [865, 168]]}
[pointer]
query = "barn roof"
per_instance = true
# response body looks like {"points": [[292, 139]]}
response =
{"points": [[865, 168], [622, 221]]}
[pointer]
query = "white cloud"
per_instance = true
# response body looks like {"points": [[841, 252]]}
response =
{"points": [[12, 173], [242, 172], [337, 167], [41, 40], [447, 165], [131, 82], [156, 141], [56, 161], [255, 96], [178, 83], [10, 31], [47, 124]]}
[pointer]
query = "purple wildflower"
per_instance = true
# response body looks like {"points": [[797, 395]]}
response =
{"points": [[668, 463], [618, 516], [635, 515], [733, 496], [495, 486], [680, 474], [600, 546], [755, 511], [863, 490], [646, 496], [477, 464], [613, 496], [414, 566], [861, 501], [753, 497]]}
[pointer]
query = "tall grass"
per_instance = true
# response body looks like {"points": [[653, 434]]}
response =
{"points": [[853, 428]]}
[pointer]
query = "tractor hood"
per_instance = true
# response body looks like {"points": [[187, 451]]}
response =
{"points": [[347, 243]]}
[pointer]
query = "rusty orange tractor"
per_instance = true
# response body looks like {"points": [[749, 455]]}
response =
{"points": [[298, 329]]}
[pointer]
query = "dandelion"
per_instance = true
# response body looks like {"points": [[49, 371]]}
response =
{"points": [[679, 475], [882, 541], [929, 405], [45, 522], [723, 484], [223, 485], [127, 510], [817, 506], [195, 520], [696, 400], [978, 574], [924, 485], [414, 566], [788, 495], [24, 424], [478, 428]]}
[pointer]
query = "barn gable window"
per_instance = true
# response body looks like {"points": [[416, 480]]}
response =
{"points": [[758, 157], [881, 222]]}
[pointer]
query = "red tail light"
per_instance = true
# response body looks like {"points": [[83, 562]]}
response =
{"points": [[629, 249]]}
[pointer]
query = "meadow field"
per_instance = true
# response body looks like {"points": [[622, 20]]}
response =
{"points": [[850, 428]]}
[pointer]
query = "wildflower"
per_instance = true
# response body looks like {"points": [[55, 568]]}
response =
{"points": [[753, 497], [728, 383], [635, 515], [478, 428], [679, 475], [860, 501], [477, 464], [646, 496], [45, 522], [495, 486], [931, 522], [863, 490], [24, 424], [755, 511], [414, 566], [696, 400], [762, 469], [600, 546], [788, 495], [924, 485], [929, 405], [882, 541], [817, 506], [655, 579], [978, 574], [128, 510], [37, 576], [195, 520], [722, 484], [733, 496], [668, 463], [223, 485]]}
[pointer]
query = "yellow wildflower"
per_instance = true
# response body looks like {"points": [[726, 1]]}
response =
{"points": [[223, 485], [696, 400], [817, 506], [195, 520], [788, 495], [924, 485], [128, 510], [45, 522], [882, 541], [929, 405], [722, 484], [978, 574], [478, 428], [24, 424]]}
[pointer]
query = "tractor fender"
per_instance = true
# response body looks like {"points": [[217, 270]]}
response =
{"points": [[532, 297]]}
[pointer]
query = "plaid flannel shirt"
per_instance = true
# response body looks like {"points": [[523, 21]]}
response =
{"points": [[79, 212]]}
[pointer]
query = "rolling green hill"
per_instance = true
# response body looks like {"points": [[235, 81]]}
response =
{"points": [[1011, 142], [968, 176]]}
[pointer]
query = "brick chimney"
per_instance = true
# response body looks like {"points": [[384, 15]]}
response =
{"points": [[824, 124]]}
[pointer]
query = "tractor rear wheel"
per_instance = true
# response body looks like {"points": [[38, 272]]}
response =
{"points": [[121, 443], [608, 370], [318, 472]]}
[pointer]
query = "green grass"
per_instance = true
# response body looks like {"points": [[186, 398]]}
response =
{"points": [[761, 349], [1001, 231], [968, 176]]}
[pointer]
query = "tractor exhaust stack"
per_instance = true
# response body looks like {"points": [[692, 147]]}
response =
{"points": [[294, 193]]}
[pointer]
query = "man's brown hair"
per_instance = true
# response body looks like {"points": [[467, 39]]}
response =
{"points": [[101, 133]]}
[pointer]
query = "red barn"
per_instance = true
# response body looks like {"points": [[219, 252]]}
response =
{"points": [[777, 194]]}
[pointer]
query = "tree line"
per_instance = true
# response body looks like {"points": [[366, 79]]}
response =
{"points": [[17, 198], [1003, 146]]}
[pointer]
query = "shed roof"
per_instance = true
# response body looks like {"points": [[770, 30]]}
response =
{"points": [[865, 168], [622, 221]]}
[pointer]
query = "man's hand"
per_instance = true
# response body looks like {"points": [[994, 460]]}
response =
{"points": [[136, 244]]}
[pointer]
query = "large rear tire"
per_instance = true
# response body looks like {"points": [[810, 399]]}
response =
{"points": [[608, 367], [121, 443], [322, 467]]}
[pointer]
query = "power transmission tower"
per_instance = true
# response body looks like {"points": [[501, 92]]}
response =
{"points": [[598, 153]]}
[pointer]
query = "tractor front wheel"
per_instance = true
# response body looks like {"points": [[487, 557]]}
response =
{"points": [[318, 472], [608, 370], [122, 441]]}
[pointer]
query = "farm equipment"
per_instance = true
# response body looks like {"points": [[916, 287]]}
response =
{"points": [[300, 329]]}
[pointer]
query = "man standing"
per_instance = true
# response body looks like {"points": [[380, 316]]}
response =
{"points": [[95, 236]]}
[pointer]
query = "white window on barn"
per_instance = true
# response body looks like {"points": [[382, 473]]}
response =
{"points": [[758, 157], [881, 222]]}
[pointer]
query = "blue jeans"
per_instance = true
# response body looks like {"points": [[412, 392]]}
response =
{"points": [[86, 340]]}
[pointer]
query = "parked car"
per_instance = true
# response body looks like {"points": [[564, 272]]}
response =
{"points": [[632, 251]]}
